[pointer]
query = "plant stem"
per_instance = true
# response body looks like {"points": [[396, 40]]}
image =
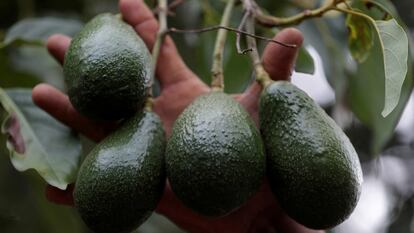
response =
{"points": [[217, 79], [262, 77], [162, 31], [356, 13], [272, 21]]}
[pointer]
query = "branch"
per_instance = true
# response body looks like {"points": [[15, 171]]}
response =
{"points": [[272, 21], [356, 13], [162, 31], [217, 79], [213, 28], [262, 77]]}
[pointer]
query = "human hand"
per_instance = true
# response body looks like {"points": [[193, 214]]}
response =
{"points": [[179, 87]]}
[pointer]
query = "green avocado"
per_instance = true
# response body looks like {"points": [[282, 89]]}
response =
{"points": [[107, 69], [215, 157], [122, 179], [313, 168]]}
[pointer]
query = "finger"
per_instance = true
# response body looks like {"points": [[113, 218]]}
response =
{"points": [[249, 101], [58, 105], [175, 99], [141, 18], [62, 197], [285, 224], [170, 67], [171, 207], [278, 61], [57, 45], [270, 217]]}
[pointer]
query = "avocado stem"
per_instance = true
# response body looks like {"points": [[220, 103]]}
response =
{"points": [[148, 104], [162, 31], [217, 79], [262, 77]]}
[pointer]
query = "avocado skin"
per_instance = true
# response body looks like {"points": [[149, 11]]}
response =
{"points": [[215, 157], [107, 69], [122, 179], [313, 168]]}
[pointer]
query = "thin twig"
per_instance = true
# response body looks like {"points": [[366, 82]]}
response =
{"points": [[213, 28], [162, 31], [240, 28], [217, 79]]}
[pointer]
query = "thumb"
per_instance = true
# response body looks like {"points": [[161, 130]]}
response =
{"points": [[278, 60]]}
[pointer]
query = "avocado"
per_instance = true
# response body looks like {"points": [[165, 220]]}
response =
{"points": [[312, 167], [107, 69], [215, 157], [121, 181]]}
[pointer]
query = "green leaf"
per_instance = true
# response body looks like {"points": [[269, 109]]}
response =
{"points": [[10, 77], [360, 37], [37, 62], [24, 55], [305, 63], [37, 141], [37, 30], [394, 44], [366, 95], [21, 42], [366, 84]]}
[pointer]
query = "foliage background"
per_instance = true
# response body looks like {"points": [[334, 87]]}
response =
{"points": [[388, 182]]}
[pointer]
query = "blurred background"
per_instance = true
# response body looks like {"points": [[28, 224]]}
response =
{"points": [[351, 93]]}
